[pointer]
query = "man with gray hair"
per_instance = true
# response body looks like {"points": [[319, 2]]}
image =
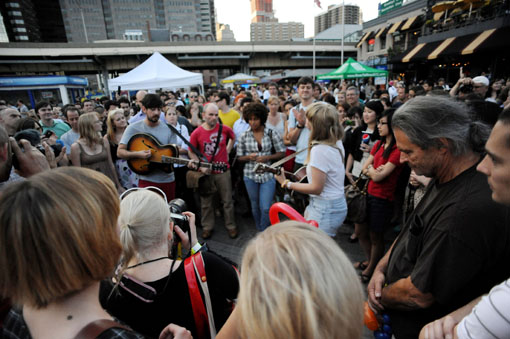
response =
{"points": [[352, 97], [454, 246]]}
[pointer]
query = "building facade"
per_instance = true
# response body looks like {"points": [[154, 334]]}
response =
{"points": [[333, 16], [276, 31], [95, 20], [262, 11], [224, 33], [422, 39]]}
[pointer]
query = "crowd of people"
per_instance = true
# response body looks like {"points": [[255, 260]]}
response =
{"points": [[98, 177]]}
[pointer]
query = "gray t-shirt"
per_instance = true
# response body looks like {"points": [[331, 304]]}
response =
{"points": [[163, 134]]}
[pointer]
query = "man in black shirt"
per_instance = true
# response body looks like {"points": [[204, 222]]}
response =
{"points": [[455, 245]]}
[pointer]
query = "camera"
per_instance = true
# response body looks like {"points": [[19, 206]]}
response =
{"points": [[33, 136], [177, 206]]}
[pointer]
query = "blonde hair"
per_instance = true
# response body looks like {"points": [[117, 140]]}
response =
{"points": [[272, 99], [326, 129], [110, 124], [67, 239], [297, 283], [86, 129], [144, 225]]}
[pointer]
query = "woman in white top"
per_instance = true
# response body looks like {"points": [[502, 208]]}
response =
{"points": [[275, 120], [325, 169]]}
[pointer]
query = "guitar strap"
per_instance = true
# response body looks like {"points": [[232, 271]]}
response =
{"points": [[193, 148], [218, 139], [287, 158]]}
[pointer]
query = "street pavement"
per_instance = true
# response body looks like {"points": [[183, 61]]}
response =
{"points": [[233, 249]]}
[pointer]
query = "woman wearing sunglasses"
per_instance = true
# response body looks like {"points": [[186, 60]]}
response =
{"points": [[150, 288]]}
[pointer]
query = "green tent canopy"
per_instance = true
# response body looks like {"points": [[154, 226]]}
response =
{"points": [[351, 69]]}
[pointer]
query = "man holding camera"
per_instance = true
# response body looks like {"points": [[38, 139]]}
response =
{"points": [[480, 85]]}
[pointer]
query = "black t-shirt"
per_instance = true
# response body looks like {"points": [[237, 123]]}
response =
{"points": [[356, 139], [172, 305], [455, 245]]}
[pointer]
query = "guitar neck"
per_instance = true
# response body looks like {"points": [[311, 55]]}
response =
{"points": [[182, 161]]}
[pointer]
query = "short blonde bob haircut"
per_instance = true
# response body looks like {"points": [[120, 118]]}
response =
{"points": [[297, 283], [58, 235], [86, 128]]}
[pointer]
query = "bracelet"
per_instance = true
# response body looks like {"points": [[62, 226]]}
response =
{"points": [[299, 126], [196, 248], [288, 184], [285, 182]]}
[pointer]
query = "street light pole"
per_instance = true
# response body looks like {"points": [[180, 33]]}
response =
{"points": [[343, 31]]}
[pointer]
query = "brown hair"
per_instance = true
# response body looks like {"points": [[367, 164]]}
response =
{"points": [[65, 241]]}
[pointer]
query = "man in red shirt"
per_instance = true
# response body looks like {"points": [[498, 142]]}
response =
{"points": [[205, 139]]}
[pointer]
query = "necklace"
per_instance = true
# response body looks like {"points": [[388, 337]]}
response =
{"points": [[147, 262]]}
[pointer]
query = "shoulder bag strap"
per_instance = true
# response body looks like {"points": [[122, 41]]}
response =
{"points": [[218, 140], [95, 328], [197, 304], [288, 157], [198, 263], [193, 148]]}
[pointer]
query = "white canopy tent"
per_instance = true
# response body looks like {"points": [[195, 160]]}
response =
{"points": [[155, 73]]}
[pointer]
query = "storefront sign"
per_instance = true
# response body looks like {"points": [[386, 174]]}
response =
{"points": [[389, 5]]}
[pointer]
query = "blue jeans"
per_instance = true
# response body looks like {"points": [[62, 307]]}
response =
{"points": [[329, 214], [261, 197]]}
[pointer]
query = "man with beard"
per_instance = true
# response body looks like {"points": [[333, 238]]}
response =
{"points": [[455, 245], [151, 124]]}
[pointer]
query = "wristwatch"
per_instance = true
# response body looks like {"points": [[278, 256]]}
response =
{"points": [[299, 126]]}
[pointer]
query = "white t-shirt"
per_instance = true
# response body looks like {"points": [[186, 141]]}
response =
{"points": [[490, 318], [302, 141], [328, 160]]}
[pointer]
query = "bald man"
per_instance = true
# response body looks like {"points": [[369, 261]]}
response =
{"points": [[9, 118], [141, 115]]}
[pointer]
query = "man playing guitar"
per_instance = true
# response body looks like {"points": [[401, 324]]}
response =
{"points": [[151, 106]]}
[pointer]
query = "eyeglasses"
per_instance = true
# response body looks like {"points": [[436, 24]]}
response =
{"points": [[218, 100], [171, 104], [478, 86], [150, 188], [193, 96]]}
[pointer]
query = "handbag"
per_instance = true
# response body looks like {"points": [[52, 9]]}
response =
{"points": [[356, 202]]}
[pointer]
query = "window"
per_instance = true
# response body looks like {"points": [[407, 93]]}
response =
{"points": [[18, 22], [19, 29], [12, 5], [22, 37], [14, 13], [383, 41]]}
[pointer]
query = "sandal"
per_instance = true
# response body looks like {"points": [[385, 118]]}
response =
{"points": [[353, 238], [360, 265]]}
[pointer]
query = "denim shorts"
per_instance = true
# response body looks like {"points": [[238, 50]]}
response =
{"points": [[329, 214]]}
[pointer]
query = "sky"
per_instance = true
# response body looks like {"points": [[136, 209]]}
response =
{"points": [[237, 13]]}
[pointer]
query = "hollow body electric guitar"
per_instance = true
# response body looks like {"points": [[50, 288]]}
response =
{"points": [[162, 156]]}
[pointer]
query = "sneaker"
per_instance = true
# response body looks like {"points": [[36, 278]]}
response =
{"points": [[206, 234], [233, 233]]}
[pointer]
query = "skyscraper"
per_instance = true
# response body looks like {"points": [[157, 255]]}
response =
{"points": [[333, 16], [262, 11], [265, 27]]}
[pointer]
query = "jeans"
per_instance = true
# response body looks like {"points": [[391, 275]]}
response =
{"points": [[329, 214], [261, 197]]}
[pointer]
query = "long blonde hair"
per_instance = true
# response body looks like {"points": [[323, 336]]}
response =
{"points": [[110, 124], [326, 128], [297, 283], [144, 225], [86, 129]]}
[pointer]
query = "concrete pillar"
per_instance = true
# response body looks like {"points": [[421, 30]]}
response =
{"points": [[63, 94]]}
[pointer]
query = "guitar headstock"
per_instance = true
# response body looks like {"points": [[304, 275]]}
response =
{"points": [[261, 168], [219, 166]]}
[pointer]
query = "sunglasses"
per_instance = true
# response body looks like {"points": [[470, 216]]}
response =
{"points": [[150, 188], [193, 96]]}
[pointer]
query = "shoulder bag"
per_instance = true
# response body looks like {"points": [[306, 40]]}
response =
{"points": [[356, 202]]}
